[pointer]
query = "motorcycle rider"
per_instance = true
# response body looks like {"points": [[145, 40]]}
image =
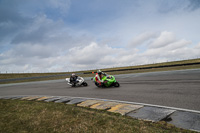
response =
{"points": [[98, 77], [73, 79]]}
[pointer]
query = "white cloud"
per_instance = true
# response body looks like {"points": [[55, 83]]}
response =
{"points": [[164, 39], [42, 30], [63, 5], [41, 35], [197, 46], [90, 54], [142, 38]]}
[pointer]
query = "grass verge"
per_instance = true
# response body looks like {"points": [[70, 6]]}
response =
{"points": [[28, 116]]}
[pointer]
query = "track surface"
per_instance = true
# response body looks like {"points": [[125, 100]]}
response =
{"points": [[179, 89]]}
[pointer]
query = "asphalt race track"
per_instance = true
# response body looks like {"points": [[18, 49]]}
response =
{"points": [[179, 89]]}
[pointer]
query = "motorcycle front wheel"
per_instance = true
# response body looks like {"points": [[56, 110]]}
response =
{"points": [[73, 85], [116, 84]]}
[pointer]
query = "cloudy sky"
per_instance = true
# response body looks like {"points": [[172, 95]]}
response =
{"points": [[70, 35]]}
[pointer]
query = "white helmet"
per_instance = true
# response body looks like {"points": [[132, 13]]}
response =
{"points": [[99, 72], [73, 74]]}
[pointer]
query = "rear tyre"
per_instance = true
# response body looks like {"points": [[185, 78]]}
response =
{"points": [[116, 84], [98, 85]]}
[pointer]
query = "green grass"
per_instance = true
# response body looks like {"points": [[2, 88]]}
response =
{"points": [[159, 64], [39, 117], [23, 75], [15, 75]]}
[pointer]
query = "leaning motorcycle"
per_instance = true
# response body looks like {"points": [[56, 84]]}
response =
{"points": [[79, 82], [108, 81]]}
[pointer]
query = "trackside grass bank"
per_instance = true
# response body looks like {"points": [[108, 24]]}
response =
{"points": [[31, 116], [167, 66]]}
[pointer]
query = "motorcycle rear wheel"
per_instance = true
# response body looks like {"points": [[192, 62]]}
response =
{"points": [[85, 84]]}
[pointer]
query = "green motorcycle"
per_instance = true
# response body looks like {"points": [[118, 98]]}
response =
{"points": [[108, 81]]}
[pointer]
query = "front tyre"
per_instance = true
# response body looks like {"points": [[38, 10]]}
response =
{"points": [[73, 85], [116, 84]]}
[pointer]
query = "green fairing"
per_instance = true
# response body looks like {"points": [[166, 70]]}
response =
{"points": [[110, 79]]}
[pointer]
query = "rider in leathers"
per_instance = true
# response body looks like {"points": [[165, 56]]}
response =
{"points": [[98, 77], [73, 79]]}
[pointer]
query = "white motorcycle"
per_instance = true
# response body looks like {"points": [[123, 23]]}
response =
{"points": [[79, 82]]}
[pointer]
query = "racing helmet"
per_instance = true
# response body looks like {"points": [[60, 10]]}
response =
{"points": [[99, 72], [73, 74]]}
